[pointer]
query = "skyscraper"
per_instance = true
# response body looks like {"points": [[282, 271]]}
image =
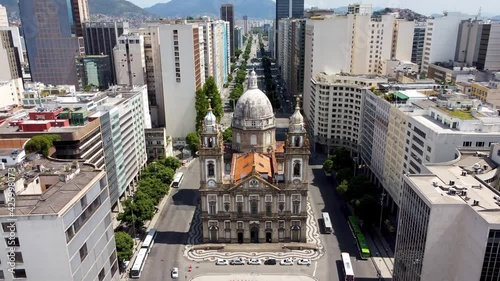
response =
{"points": [[102, 37], [52, 31], [245, 25], [287, 9], [227, 14], [94, 70], [4, 21]]}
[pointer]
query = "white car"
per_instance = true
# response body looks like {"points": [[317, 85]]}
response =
{"points": [[175, 273], [286, 262], [222, 262], [254, 262], [304, 262]]}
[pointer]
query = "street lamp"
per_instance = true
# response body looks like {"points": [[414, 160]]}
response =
{"points": [[381, 210]]}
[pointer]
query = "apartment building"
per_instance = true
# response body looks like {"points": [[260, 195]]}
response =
{"points": [[130, 60], [487, 91], [478, 44], [183, 69], [66, 205], [335, 112], [450, 72], [9, 56], [158, 143], [417, 50], [11, 92], [238, 38], [355, 44], [4, 20], [449, 214], [441, 35], [18, 42]]}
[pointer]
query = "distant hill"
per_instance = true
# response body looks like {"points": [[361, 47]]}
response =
{"points": [[403, 13], [495, 18], [343, 9], [121, 8], [255, 9]]}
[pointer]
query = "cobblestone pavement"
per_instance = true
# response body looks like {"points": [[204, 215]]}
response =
{"points": [[195, 238]]}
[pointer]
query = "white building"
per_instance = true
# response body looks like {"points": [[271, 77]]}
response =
{"points": [[158, 144], [448, 224], [335, 111], [16, 38], [11, 157], [130, 60], [355, 44], [360, 9], [65, 205], [183, 72], [11, 92], [4, 20], [441, 35]]}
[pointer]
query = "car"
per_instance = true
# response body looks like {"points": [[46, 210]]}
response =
{"points": [[221, 262], [237, 261], [254, 262], [286, 262], [304, 262], [270, 262], [175, 273]]}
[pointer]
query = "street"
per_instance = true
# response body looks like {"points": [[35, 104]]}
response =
{"points": [[176, 217]]}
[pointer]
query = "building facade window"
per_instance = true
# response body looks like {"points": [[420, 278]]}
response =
{"points": [[211, 169], [83, 252], [296, 168]]}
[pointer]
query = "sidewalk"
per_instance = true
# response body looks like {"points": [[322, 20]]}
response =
{"points": [[382, 256]]}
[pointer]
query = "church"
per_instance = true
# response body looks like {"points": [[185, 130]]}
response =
{"points": [[262, 197]]}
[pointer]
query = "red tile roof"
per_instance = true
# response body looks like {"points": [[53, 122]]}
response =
{"points": [[242, 165]]}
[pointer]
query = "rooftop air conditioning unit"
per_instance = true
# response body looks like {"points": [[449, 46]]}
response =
{"points": [[464, 173], [452, 183], [452, 191]]}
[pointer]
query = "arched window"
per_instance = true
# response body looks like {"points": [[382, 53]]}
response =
{"points": [[297, 141], [210, 142], [253, 140], [211, 169], [296, 169], [238, 138]]}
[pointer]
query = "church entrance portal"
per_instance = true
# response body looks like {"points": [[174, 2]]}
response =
{"points": [[240, 237], [269, 236], [254, 235]]}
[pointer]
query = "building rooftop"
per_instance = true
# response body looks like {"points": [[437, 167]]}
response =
{"points": [[243, 165], [66, 181], [453, 185]]}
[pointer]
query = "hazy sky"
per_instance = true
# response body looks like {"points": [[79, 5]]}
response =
{"points": [[489, 7]]}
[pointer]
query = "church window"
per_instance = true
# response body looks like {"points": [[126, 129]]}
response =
{"points": [[212, 207], [211, 169], [254, 207], [210, 142], [297, 141], [238, 138], [268, 138], [269, 209], [296, 169], [254, 124], [239, 208], [253, 140]]}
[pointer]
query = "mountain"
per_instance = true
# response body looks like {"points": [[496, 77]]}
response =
{"points": [[255, 9], [107, 7], [343, 9], [495, 18], [403, 13]]}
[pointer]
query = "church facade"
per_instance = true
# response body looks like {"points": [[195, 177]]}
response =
{"points": [[263, 199]]}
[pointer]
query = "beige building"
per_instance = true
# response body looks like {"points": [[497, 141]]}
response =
{"points": [[263, 198]]}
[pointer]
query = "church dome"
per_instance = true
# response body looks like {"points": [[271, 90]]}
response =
{"points": [[253, 104]]}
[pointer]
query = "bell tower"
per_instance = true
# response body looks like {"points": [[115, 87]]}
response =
{"points": [[211, 152], [297, 150]]}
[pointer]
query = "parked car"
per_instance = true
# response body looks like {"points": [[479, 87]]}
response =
{"points": [[254, 262], [286, 262], [175, 273], [304, 262], [222, 262], [270, 262], [237, 261]]}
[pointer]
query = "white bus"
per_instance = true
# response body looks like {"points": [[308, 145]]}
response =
{"points": [[177, 179], [327, 223], [139, 263], [348, 271], [149, 240]]}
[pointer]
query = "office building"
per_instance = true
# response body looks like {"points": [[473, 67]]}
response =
{"points": [[336, 110], [275, 211], [4, 19], [11, 92], [286, 9], [102, 37], [238, 38], [418, 43], [360, 9], [53, 38], [448, 222], [183, 69], [441, 35], [488, 92], [291, 35], [227, 14], [18, 42], [66, 205], [94, 71], [450, 72], [342, 44], [245, 25], [9, 57], [478, 44], [130, 61]]}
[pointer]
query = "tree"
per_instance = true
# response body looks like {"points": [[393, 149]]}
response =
{"points": [[201, 106], [227, 135], [210, 90], [328, 166], [138, 211], [237, 53], [366, 208], [158, 171], [193, 140], [124, 246], [343, 174], [152, 188], [343, 188], [41, 143], [229, 78], [171, 162]]}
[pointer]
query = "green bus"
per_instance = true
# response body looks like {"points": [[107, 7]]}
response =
{"points": [[360, 237]]}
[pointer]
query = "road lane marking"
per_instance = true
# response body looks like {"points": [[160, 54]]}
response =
{"points": [[315, 267]]}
